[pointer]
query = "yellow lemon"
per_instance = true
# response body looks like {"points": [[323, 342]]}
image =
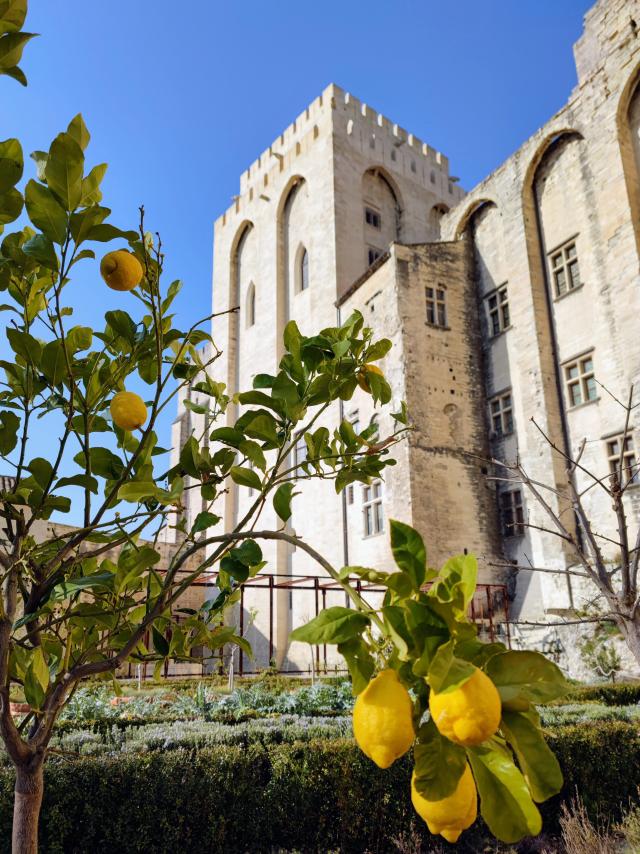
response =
{"points": [[121, 270], [361, 376], [471, 713], [453, 814], [382, 719], [128, 410]]}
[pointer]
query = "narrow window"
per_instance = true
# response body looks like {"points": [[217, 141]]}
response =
{"points": [[630, 472], [373, 516], [512, 513], [373, 254], [300, 452], [580, 381], [498, 310], [372, 218], [436, 306], [350, 494], [304, 270], [354, 420], [501, 414], [564, 269], [251, 305]]}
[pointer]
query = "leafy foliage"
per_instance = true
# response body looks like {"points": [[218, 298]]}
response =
{"points": [[424, 634]]}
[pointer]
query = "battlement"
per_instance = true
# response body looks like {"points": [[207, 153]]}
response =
{"points": [[380, 125], [307, 127], [609, 27]]}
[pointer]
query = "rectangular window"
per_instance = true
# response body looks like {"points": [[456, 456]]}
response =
{"points": [[501, 413], [372, 218], [436, 306], [580, 381], [350, 494], [373, 515], [564, 268], [498, 309], [373, 254], [512, 513], [630, 472], [354, 419]]}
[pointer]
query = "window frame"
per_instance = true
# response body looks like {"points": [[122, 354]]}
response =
{"points": [[630, 470], [303, 270], [503, 414], [372, 217], [300, 452], [511, 509], [580, 381], [372, 510], [499, 314], [435, 297], [373, 251], [564, 268]]}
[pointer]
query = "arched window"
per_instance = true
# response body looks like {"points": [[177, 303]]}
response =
{"points": [[251, 305], [304, 270]]}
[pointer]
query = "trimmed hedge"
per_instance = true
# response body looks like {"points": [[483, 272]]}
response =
{"points": [[623, 694], [313, 797]]}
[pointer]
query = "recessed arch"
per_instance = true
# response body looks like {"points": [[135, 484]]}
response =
{"points": [[550, 140], [434, 218], [291, 190], [471, 209], [628, 115]]}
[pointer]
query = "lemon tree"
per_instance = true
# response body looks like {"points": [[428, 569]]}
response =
{"points": [[423, 679], [80, 602]]}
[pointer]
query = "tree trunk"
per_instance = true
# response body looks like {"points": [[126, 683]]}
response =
{"points": [[26, 809], [631, 633]]}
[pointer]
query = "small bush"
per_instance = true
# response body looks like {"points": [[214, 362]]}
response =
{"points": [[624, 694]]}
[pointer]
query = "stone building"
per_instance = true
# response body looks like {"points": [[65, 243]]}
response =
{"points": [[519, 298]]}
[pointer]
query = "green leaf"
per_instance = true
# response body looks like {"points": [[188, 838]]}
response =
{"points": [[409, 552], [45, 212], [505, 800], [360, 663], [378, 350], [282, 500], [10, 206], [104, 463], [11, 47], [253, 452], [64, 170], [78, 131], [190, 457], [25, 345], [394, 619], [99, 580], [41, 470], [53, 363], [263, 427], [79, 338], [12, 15], [292, 338], [333, 625], [439, 763], [137, 491], [537, 762], [42, 249], [82, 480], [106, 232], [204, 520], [160, 643], [245, 477], [9, 425], [15, 72], [524, 677], [11, 164], [91, 194], [448, 672]]}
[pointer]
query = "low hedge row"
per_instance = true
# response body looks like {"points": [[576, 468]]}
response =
{"points": [[313, 797], [623, 694]]}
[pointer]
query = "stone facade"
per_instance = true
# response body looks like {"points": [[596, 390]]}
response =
{"points": [[490, 299]]}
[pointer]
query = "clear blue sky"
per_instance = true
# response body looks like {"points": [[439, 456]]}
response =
{"points": [[181, 97]]}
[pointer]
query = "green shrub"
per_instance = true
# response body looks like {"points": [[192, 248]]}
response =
{"points": [[316, 796], [623, 694]]}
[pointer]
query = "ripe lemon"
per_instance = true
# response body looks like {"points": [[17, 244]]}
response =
{"points": [[382, 719], [471, 713], [128, 410], [361, 376], [453, 814], [121, 270]]}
